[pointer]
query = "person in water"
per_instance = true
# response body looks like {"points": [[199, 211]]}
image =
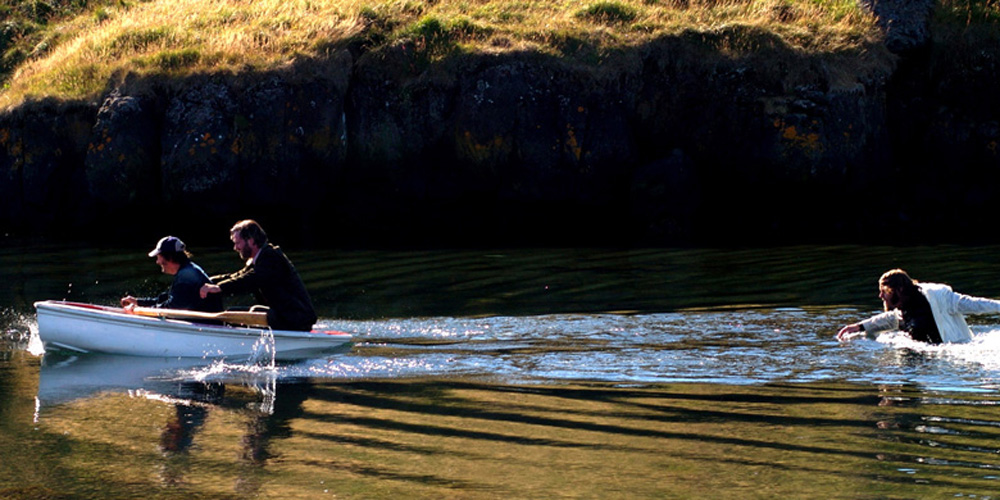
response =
{"points": [[174, 259], [270, 276], [928, 312]]}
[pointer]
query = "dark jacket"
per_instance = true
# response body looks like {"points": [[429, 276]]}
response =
{"points": [[276, 284], [917, 319], [184, 293]]}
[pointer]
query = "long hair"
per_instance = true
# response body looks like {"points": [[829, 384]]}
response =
{"points": [[898, 286]]}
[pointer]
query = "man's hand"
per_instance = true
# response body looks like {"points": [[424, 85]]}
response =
{"points": [[849, 332], [207, 289]]}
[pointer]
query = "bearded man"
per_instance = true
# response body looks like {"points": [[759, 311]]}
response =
{"points": [[928, 312], [270, 276]]}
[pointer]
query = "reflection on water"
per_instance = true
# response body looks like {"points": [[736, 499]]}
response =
{"points": [[64, 378], [438, 438], [520, 374]]}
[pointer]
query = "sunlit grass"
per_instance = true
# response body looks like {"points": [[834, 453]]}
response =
{"points": [[77, 58]]}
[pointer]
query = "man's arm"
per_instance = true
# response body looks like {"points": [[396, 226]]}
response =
{"points": [[870, 327], [967, 304], [244, 280], [130, 301]]}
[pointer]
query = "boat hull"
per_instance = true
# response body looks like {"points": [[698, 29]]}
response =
{"points": [[87, 328]]}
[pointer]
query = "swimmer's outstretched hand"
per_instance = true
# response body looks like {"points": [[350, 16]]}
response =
{"points": [[850, 332]]}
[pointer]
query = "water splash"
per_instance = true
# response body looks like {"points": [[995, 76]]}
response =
{"points": [[260, 375], [21, 330], [983, 351], [263, 350], [35, 346]]}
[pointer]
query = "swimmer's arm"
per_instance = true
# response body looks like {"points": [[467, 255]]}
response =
{"points": [[871, 327]]}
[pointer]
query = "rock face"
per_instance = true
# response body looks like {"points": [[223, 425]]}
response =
{"points": [[677, 142], [906, 22], [43, 150]]}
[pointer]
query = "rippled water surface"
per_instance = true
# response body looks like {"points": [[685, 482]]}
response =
{"points": [[583, 372]]}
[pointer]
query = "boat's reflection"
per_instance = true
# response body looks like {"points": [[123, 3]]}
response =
{"points": [[196, 389], [189, 382]]}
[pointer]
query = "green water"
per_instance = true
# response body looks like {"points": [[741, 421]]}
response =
{"points": [[419, 438], [549, 373]]}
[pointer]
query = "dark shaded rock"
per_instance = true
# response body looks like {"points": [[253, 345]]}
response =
{"points": [[11, 164], [290, 142], [41, 166], [662, 205], [907, 23], [397, 112], [943, 113], [122, 162], [769, 132], [539, 130], [198, 171]]}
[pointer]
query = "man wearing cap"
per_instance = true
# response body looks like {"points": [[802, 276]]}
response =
{"points": [[270, 276], [175, 260]]}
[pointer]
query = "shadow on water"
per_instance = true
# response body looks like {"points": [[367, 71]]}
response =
{"points": [[783, 428], [379, 395], [432, 437]]}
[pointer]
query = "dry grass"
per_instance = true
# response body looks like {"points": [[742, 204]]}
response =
{"points": [[178, 37]]}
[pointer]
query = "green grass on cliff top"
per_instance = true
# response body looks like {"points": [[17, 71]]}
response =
{"points": [[72, 49]]}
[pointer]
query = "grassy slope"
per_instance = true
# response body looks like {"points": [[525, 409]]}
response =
{"points": [[71, 49]]}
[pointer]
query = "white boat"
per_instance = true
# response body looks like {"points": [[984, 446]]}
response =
{"points": [[88, 328]]}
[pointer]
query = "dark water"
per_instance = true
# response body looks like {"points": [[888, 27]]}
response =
{"points": [[584, 373]]}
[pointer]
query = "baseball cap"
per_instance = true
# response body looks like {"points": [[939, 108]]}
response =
{"points": [[170, 244]]}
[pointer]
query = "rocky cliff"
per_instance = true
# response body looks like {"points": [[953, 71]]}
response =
{"points": [[726, 137]]}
